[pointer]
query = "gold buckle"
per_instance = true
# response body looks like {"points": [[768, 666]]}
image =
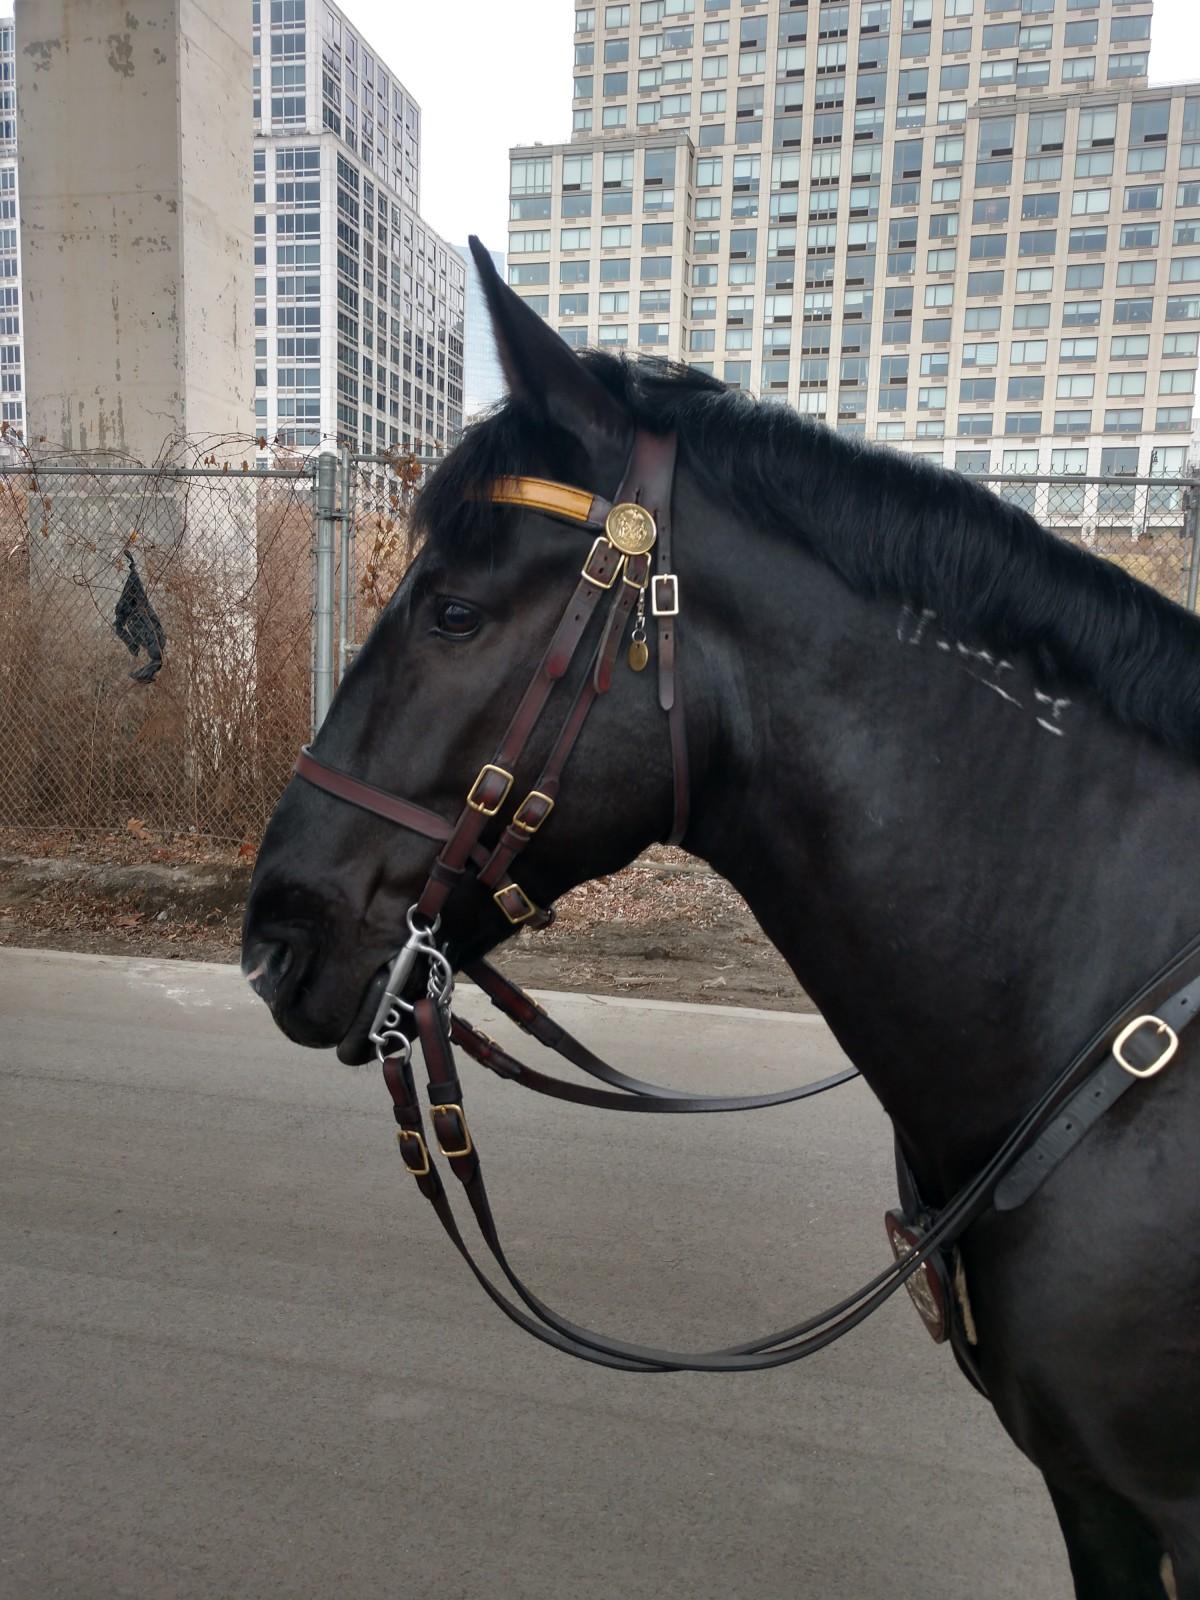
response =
{"points": [[659, 606], [412, 1133], [475, 805], [530, 910], [454, 1110], [1155, 1066], [601, 544], [532, 827]]}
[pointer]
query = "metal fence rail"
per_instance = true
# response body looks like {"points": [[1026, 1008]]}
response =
{"points": [[169, 637], [155, 646]]}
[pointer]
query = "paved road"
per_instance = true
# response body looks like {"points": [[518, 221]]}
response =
{"points": [[240, 1360]]}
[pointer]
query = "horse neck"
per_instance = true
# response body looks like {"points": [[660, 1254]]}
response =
{"points": [[966, 868]]}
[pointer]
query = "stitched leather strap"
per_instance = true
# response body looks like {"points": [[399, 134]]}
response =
{"points": [[555, 499], [1092, 1099], [368, 798]]}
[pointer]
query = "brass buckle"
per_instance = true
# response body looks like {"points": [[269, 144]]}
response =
{"points": [[528, 907], [1169, 1049], [664, 605], [532, 827], [457, 1111], [413, 1133], [476, 805], [601, 544]]}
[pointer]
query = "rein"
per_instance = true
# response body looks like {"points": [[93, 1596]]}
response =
{"points": [[1126, 1049]]}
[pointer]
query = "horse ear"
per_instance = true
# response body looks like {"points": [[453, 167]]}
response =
{"points": [[544, 374]]}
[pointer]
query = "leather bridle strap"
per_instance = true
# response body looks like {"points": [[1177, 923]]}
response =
{"points": [[1124, 1036], [648, 485], [634, 1094]]}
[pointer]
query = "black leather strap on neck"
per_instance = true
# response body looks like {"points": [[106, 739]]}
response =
{"points": [[1105, 1086]]}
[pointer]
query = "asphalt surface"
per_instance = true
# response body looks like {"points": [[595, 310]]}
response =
{"points": [[239, 1358]]}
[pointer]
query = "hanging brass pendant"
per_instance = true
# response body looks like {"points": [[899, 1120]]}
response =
{"points": [[639, 654]]}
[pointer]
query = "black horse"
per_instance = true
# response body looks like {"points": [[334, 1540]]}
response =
{"points": [[950, 762]]}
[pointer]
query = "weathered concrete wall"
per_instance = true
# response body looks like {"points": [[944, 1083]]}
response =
{"points": [[136, 221]]}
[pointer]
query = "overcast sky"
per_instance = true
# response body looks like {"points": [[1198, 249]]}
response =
{"points": [[493, 73]]}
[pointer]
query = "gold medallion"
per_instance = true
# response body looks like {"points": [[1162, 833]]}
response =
{"points": [[631, 528], [639, 654]]}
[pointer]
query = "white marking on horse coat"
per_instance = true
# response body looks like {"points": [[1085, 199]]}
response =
{"points": [[1003, 693], [1057, 707], [920, 621], [1049, 727]]}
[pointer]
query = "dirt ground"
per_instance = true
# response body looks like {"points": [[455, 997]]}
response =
{"points": [[665, 928]]}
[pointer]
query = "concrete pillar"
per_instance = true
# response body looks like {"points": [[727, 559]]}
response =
{"points": [[135, 141]]}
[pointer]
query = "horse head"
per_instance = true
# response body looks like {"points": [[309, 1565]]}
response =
{"points": [[512, 572]]}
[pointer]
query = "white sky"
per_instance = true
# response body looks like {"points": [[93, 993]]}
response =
{"points": [[493, 73]]}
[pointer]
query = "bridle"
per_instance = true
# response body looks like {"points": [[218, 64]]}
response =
{"points": [[619, 565]]}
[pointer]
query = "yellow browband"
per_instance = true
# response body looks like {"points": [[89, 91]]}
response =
{"points": [[539, 494]]}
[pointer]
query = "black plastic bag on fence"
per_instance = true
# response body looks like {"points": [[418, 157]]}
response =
{"points": [[137, 626]]}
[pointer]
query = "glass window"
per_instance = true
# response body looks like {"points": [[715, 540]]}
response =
{"points": [[1097, 127], [1076, 385], [1036, 207], [1088, 275], [1031, 316], [1035, 280], [990, 210], [1134, 310], [1085, 349], [981, 319], [996, 135], [1179, 380], [1132, 64], [1091, 202]]}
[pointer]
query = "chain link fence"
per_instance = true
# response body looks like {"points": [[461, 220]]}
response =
{"points": [[155, 647], [169, 636], [1148, 526]]}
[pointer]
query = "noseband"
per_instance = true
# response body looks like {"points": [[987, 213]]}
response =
{"points": [[628, 535]]}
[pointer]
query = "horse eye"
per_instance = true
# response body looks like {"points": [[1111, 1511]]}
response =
{"points": [[456, 619]]}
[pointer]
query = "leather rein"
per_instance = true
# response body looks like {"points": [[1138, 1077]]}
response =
{"points": [[619, 565]]}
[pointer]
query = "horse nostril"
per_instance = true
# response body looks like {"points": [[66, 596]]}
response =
{"points": [[266, 963]]}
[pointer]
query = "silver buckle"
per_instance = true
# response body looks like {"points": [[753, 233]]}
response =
{"points": [[664, 594]]}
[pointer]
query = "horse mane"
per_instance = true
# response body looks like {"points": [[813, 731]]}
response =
{"points": [[891, 526]]}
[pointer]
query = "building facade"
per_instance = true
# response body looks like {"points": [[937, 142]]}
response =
{"points": [[12, 375], [359, 305], [483, 380], [966, 227], [135, 223]]}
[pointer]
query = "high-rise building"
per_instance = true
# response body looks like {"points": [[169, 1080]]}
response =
{"points": [[967, 227], [483, 382], [12, 379], [358, 304]]}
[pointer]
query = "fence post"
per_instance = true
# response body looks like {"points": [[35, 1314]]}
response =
{"points": [[346, 573], [1191, 499], [323, 585]]}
